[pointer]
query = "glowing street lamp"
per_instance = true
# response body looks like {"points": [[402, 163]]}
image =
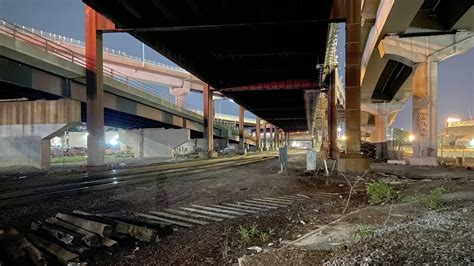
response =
{"points": [[411, 138], [344, 137]]}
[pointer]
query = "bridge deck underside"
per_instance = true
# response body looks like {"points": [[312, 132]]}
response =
{"points": [[231, 44]]}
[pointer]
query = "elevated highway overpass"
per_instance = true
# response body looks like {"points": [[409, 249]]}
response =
{"points": [[34, 68], [405, 40]]}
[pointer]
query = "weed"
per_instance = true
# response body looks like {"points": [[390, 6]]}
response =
{"points": [[364, 230], [263, 237], [244, 234], [380, 192], [434, 199], [253, 231]]}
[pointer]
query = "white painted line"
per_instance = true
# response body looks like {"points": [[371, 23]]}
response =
{"points": [[258, 205], [291, 197], [218, 210], [208, 213], [240, 205], [287, 202], [193, 215], [280, 200], [304, 196], [164, 220], [279, 204], [173, 216], [233, 209], [261, 203]]}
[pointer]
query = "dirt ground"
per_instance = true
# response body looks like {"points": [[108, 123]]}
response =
{"points": [[220, 242]]}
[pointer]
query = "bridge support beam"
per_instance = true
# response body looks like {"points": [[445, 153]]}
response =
{"points": [[352, 161], [257, 134], [333, 149], [27, 127], [381, 136], [181, 92], [425, 113], [95, 24], [208, 113], [241, 129], [424, 53], [265, 136]]}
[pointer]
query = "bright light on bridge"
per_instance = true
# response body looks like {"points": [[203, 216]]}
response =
{"points": [[453, 119], [411, 138]]}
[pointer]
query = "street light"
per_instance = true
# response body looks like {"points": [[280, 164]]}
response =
{"points": [[411, 138]]}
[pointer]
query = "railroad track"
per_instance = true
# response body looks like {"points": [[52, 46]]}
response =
{"points": [[116, 178]]}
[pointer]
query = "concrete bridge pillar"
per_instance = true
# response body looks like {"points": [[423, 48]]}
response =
{"points": [[424, 53], [180, 93], [257, 134], [381, 136], [241, 128], [94, 25], [265, 136], [27, 127], [425, 113], [208, 113], [352, 161]]}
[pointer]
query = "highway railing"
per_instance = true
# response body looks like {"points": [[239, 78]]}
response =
{"points": [[50, 46]]}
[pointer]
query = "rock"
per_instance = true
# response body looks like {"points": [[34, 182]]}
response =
{"points": [[255, 248], [22, 177]]}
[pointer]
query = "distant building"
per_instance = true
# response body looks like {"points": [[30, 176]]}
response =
{"points": [[458, 133]]}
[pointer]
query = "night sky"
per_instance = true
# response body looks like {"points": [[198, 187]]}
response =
{"points": [[65, 17]]}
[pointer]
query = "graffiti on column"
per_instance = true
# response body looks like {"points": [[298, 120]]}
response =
{"points": [[422, 122]]}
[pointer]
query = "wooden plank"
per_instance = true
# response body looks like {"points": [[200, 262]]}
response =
{"points": [[265, 203], [63, 255], [137, 232], [88, 238], [245, 207], [31, 251], [234, 209], [218, 210], [193, 215], [95, 227], [173, 216], [281, 204], [208, 213], [164, 220]]}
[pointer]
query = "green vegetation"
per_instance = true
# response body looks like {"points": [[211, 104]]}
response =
{"points": [[68, 159], [364, 230], [434, 199], [380, 192], [252, 233]]}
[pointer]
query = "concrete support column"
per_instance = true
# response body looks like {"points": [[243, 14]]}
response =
{"points": [[332, 117], [381, 136], [353, 161], [257, 133], [180, 93], [425, 113], [265, 136], [94, 24], [271, 137], [276, 131], [241, 127], [208, 113]]}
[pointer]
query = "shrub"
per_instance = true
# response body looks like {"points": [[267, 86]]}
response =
{"points": [[434, 199], [364, 230], [380, 192]]}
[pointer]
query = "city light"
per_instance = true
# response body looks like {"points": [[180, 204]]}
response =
{"points": [[411, 138], [453, 119], [472, 142], [343, 137], [339, 129], [114, 141]]}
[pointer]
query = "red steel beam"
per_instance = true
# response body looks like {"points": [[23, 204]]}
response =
{"points": [[301, 84]]}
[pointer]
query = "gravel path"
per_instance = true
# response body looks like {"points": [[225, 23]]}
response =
{"points": [[441, 237]]}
